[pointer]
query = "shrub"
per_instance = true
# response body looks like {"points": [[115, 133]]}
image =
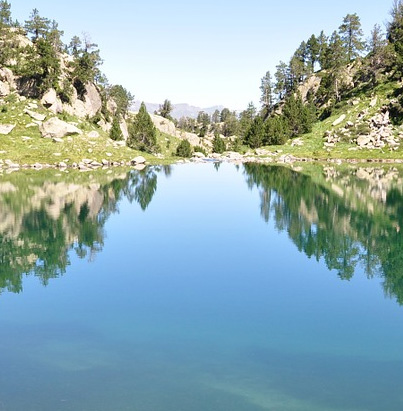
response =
{"points": [[184, 149]]}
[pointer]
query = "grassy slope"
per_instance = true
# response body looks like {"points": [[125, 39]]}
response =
{"points": [[313, 142], [16, 147]]}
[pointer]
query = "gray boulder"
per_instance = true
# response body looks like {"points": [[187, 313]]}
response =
{"points": [[92, 100], [52, 102], [56, 128], [6, 128]]}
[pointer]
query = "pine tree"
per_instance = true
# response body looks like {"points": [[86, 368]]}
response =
{"points": [[298, 115], [245, 119], [36, 25], [313, 50], [5, 14], [266, 89], [115, 132], [323, 45], [142, 132], [165, 109], [255, 136], [281, 75], [219, 145], [351, 36], [276, 131], [395, 33], [184, 149]]}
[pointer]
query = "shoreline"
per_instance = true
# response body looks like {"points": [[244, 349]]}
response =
{"points": [[140, 163]]}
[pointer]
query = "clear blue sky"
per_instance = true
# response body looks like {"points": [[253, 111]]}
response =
{"points": [[203, 53]]}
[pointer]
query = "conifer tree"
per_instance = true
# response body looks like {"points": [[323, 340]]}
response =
{"points": [[255, 136], [351, 36], [36, 25], [116, 133], [281, 84], [142, 132], [266, 86], [395, 33], [219, 145], [313, 51], [5, 14]]}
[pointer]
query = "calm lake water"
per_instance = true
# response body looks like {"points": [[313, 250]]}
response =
{"points": [[202, 287]]}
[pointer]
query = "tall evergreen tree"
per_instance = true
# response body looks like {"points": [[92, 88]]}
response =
{"points": [[142, 132], [298, 115], [313, 51], [351, 36], [323, 45], [5, 14], [395, 32], [36, 25], [165, 109], [255, 135], [245, 119], [281, 75], [266, 89]]}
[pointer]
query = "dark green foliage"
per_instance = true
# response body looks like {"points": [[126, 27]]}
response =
{"points": [[219, 145], [42, 66], [5, 14], [36, 25], [281, 75], [313, 51], [142, 132], [225, 113], [396, 108], [200, 149], [216, 117], [121, 97], [276, 131], [184, 149], [165, 109], [231, 125], [85, 67], [115, 132], [266, 89], [245, 120], [254, 137], [351, 35], [298, 115], [395, 34]]}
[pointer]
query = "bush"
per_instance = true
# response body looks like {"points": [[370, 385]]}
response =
{"points": [[218, 145], [115, 132], [184, 149], [200, 149]]}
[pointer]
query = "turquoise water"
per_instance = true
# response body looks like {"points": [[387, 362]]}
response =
{"points": [[202, 287]]}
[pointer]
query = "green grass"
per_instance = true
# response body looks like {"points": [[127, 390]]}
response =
{"points": [[313, 142], [24, 145]]}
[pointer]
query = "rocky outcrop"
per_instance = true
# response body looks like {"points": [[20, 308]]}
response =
{"points": [[88, 107], [374, 132], [163, 124], [56, 128], [52, 102], [92, 100], [7, 82]]}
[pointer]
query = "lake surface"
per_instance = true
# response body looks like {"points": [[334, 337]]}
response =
{"points": [[202, 287]]}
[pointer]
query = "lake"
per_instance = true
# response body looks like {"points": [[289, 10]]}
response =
{"points": [[202, 287]]}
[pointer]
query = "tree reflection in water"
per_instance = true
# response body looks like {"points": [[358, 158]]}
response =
{"points": [[42, 221], [349, 216]]}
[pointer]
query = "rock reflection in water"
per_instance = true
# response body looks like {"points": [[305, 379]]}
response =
{"points": [[43, 218], [349, 216]]}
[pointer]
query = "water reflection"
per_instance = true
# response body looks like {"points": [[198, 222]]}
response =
{"points": [[348, 216], [43, 217]]}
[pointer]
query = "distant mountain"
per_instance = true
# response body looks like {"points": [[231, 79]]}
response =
{"points": [[179, 110]]}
